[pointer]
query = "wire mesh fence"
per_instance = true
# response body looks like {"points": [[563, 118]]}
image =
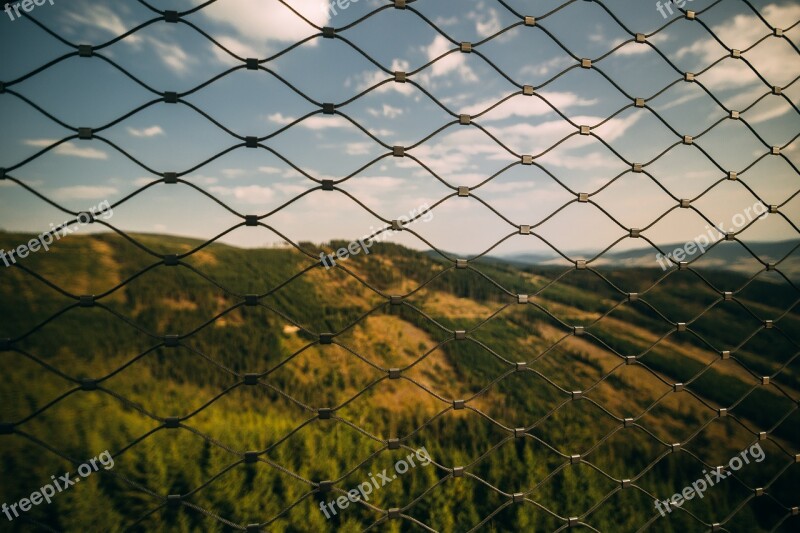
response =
{"points": [[535, 454]]}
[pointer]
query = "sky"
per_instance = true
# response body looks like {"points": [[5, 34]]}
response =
{"points": [[91, 92]]}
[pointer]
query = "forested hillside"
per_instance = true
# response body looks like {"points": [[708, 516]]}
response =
{"points": [[185, 341]]}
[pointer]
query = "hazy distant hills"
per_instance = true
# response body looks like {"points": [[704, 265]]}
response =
{"points": [[728, 256]]}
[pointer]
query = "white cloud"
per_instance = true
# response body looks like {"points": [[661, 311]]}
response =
{"points": [[71, 150], [527, 106], [269, 170], [358, 148], [315, 122], [452, 63], [486, 24], [454, 153], [612, 129], [102, 18], [691, 96], [380, 132], [526, 138], [261, 21], [494, 186], [291, 190], [237, 46], [375, 190], [449, 21], [768, 114], [250, 194], [773, 58], [633, 48], [457, 154], [140, 182], [68, 149], [594, 160], [391, 112], [200, 178], [278, 118], [742, 99], [233, 172], [387, 111], [544, 68], [152, 131], [172, 55], [366, 80], [84, 192]]}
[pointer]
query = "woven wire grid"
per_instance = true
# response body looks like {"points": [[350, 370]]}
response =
{"points": [[539, 22]]}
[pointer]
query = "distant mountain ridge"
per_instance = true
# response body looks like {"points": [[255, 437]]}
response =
{"points": [[722, 256]]}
